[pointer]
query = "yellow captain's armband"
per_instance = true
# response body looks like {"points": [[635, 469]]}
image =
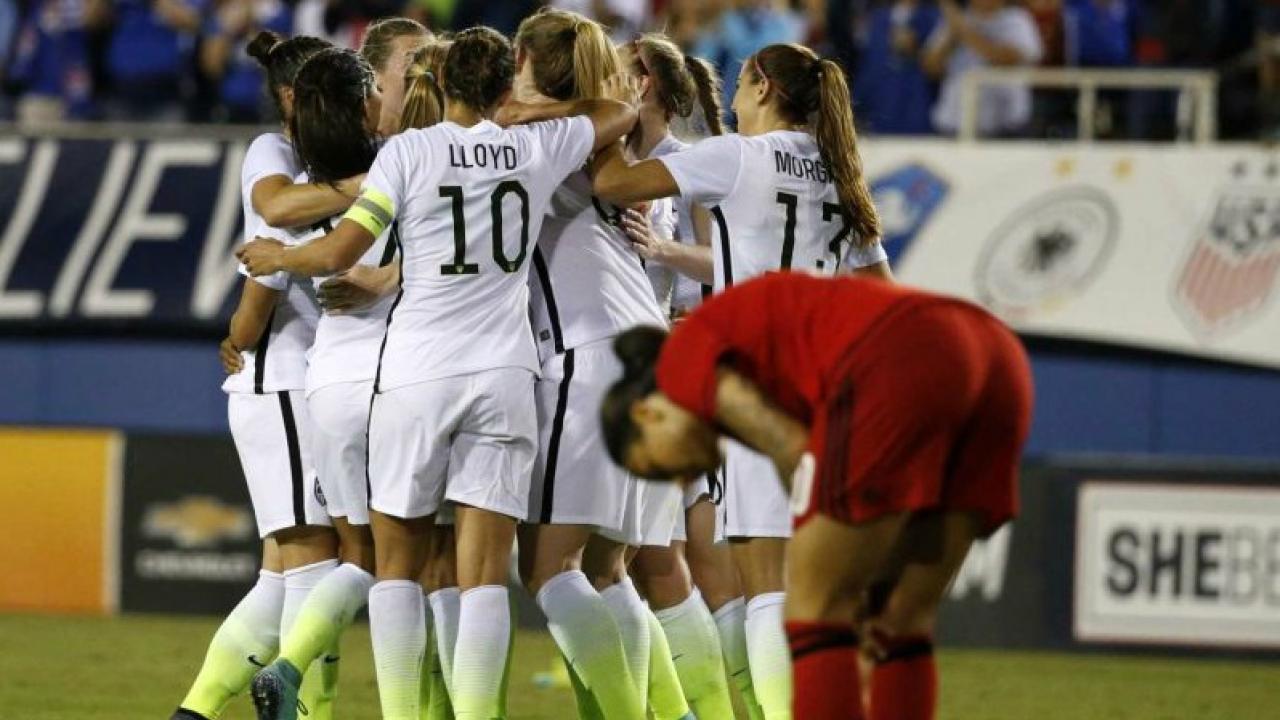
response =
{"points": [[372, 211]]}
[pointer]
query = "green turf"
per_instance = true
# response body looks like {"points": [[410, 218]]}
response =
{"points": [[137, 668]]}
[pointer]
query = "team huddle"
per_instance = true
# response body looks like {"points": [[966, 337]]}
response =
{"points": [[463, 259]]}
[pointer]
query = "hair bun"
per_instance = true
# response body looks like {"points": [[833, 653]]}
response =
{"points": [[262, 44], [638, 349]]}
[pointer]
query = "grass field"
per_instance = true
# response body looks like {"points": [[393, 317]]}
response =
{"points": [[135, 668]]}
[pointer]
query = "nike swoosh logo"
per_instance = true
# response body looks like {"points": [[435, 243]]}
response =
{"points": [[676, 657], [331, 659], [253, 660], [741, 671]]}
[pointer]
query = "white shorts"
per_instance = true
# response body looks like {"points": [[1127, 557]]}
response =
{"points": [[661, 511], [755, 503], [340, 416], [575, 482], [273, 433], [471, 439]]}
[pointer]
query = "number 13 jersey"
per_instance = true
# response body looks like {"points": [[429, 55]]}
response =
{"points": [[470, 203], [774, 203]]}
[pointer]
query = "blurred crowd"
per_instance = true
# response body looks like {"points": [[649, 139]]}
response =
{"points": [[184, 60]]}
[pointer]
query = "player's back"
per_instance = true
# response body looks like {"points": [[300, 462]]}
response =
{"points": [[470, 203]]}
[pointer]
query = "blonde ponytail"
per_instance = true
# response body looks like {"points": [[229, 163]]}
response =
{"points": [[571, 55], [423, 97]]}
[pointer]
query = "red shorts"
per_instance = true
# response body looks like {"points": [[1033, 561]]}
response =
{"points": [[930, 411]]}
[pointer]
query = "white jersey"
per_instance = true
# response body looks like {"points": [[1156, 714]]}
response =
{"points": [[687, 293], [662, 223], [589, 284], [470, 203], [346, 344], [774, 205]]}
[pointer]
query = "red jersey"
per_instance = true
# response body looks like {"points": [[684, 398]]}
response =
{"points": [[789, 333]]}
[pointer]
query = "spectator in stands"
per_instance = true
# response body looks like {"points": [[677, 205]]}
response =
{"points": [[50, 61], [623, 18], [149, 58], [742, 28], [1268, 44], [1098, 33], [237, 78], [8, 30], [989, 33], [891, 91]]}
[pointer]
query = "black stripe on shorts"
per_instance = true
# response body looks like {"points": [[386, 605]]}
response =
{"points": [[724, 245], [553, 446], [295, 458]]}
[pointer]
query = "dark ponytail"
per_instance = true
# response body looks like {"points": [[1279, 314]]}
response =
{"points": [[479, 68], [282, 59], [815, 92], [638, 350], [330, 132]]}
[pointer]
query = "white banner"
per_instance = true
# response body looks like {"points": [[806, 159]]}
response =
{"points": [[1178, 564], [1167, 247]]}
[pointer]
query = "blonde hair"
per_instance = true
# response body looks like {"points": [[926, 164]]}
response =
{"points": [[814, 91], [423, 97], [571, 55]]}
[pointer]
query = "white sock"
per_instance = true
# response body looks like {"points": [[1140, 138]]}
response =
{"points": [[445, 609], [397, 624], [480, 654], [584, 629], [695, 649], [298, 583], [326, 613], [632, 617], [769, 655], [731, 624]]}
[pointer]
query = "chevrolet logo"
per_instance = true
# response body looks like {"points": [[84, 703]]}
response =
{"points": [[197, 521]]}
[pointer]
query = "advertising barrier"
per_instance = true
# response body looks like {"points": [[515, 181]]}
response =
{"points": [[1173, 248]]}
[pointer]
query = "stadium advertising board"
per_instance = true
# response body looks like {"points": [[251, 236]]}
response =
{"points": [[1195, 565], [1172, 248], [188, 538]]}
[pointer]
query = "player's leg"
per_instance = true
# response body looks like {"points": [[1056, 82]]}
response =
{"points": [[716, 577], [904, 684], [247, 639], [605, 563], [666, 582], [440, 595], [485, 539], [824, 592], [577, 616]]}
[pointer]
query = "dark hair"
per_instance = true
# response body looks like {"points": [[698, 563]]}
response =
{"points": [[680, 80], [330, 133], [572, 55], [282, 59], [379, 38], [479, 68], [638, 350], [814, 91]]}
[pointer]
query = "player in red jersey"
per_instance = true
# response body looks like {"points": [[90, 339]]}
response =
{"points": [[897, 416]]}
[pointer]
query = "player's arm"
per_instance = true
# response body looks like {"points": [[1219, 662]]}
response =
{"points": [[752, 418], [368, 216], [283, 203], [693, 261], [612, 116], [359, 287], [877, 271], [619, 182], [248, 323]]}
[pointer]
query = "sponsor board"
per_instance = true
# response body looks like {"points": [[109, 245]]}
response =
{"points": [[1195, 565], [188, 538]]}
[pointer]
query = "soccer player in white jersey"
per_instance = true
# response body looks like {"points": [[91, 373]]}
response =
{"points": [[588, 285], [787, 193], [337, 107], [678, 86], [453, 413], [265, 355]]}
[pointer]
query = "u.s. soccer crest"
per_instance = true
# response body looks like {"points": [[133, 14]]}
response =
{"points": [[1230, 271]]}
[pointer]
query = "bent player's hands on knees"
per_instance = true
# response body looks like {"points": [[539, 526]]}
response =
{"points": [[640, 232], [624, 87], [229, 354], [359, 287], [263, 256]]}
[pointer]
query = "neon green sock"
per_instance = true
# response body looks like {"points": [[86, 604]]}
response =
{"points": [[245, 642], [588, 708], [439, 707], [695, 650], [666, 697]]}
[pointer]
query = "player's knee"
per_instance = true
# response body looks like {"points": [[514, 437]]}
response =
{"points": [[906, 614]]}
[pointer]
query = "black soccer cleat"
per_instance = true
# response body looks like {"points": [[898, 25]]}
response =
{"points": [[275, 692], [185, 714]]}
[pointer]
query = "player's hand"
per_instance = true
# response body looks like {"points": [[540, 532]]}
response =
{"points": [[351, 186], [516, 112], [263, 256], [635, 224], [359, 287], [624, 87], [229, 354]]}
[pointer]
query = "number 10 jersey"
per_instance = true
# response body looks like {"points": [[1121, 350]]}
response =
{"points": [[470, 203]]}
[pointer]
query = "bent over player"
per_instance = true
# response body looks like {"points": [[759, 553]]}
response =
{"points": [[899, 417]]}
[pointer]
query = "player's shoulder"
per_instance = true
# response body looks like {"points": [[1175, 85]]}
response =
{"points": [[270, 142]]}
